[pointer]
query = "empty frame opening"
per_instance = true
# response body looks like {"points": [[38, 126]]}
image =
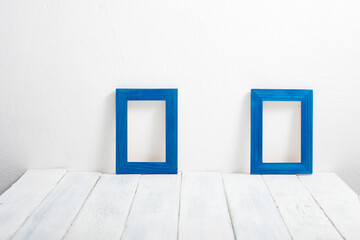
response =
{"points": [[146, 131], [281, 131]]}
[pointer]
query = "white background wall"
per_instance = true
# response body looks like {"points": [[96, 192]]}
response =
{"points": [[61, 60]]}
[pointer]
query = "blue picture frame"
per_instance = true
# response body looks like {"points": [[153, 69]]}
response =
{"points": [[170, 96], [257, 98]]}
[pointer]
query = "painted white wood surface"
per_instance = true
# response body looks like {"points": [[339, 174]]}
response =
{"points": [[21, 199], [203, 210], [38, 206], [302, 215], [155, 209], [340, 203], [105, 211], [55, 214], [253, 211]]}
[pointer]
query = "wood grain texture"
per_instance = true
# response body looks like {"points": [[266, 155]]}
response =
{"points": [[170, 96], [55, 214], [253, 211], [154, 212], [104, 213], [302, 215], [203, 210], [257, 98], [339, 201], [80, 206], [22, 198]]}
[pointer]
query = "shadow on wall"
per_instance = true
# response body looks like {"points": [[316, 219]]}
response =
{"points": [[106, 151], [242, 152]]}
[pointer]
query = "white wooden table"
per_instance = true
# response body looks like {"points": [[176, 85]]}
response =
{"points": [[53, 204]]}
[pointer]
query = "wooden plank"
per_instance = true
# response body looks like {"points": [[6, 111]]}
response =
{"points": [[154, 212], [203, 212], [55, 214], [253, 211], [21, 199], [104, 213], [302, 215], [338, 200]]}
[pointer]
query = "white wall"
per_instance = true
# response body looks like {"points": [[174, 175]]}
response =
{"points": [[61, 60]]}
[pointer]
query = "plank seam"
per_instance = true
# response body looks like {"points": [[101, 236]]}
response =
{"points": [[228, 206], [22, 224], [308, 190], [77, 214], [277, 207], [178, 223], [132, 201]]}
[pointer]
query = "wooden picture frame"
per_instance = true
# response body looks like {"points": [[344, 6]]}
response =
{"points": [[170, 166], [305, 96]]}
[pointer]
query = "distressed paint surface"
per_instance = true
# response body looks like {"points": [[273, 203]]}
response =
{"points": [[195, 206], [302, 215], [155, 209], [104, 213], [253, 211], [53, 217], [203, 211], [340, 203], [23, 197]]}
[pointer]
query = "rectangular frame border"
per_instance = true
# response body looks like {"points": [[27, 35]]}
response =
{"points": [[170, 96], [306, 98]]}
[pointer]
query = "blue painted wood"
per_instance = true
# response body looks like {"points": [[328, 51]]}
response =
{"points": [[257, 98], [170, 96]]}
